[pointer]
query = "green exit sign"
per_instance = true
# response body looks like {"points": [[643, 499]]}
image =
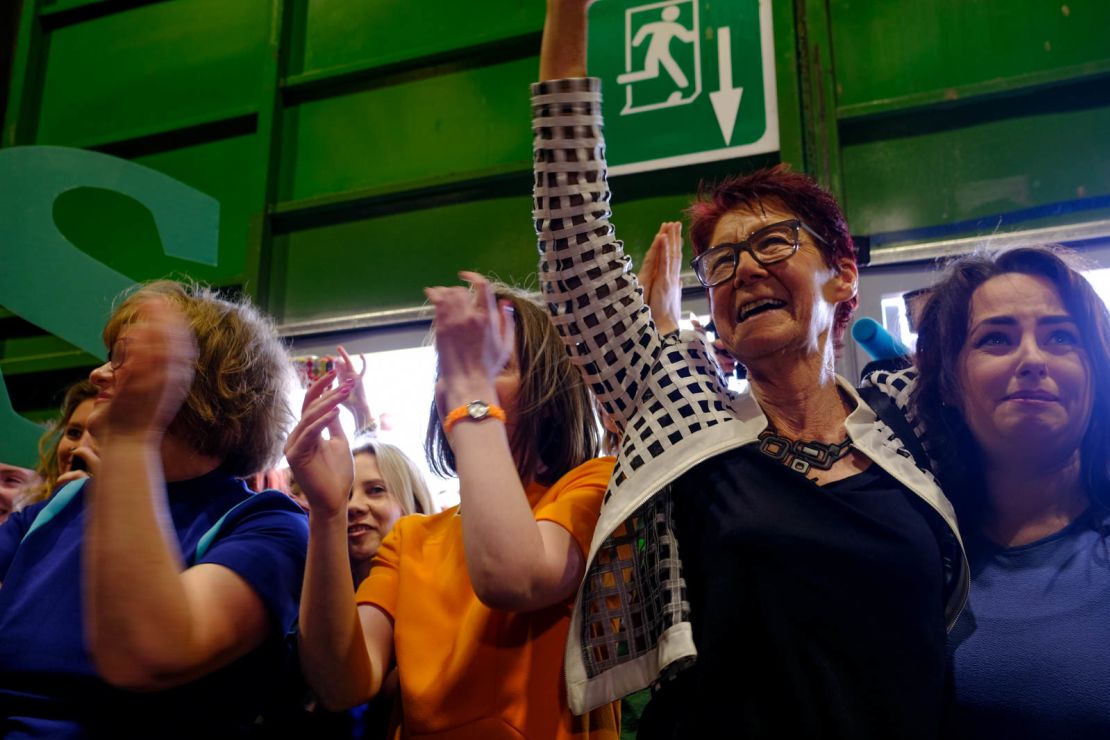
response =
{"points": [[685, 81]]}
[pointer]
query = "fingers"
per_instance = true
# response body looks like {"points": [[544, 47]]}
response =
{"points": [[476, 280], [495, 309], [71, 476], [473, 328], [153, 364], [316, 408], [162, 327], [484, 299], [317, 388], [724, 357], [449, 303], [480, 294], [676, 245], [88, 456], [673, 230], [335, 429], [508, 321], [663, 261], [672, 247], [308, 432], [322, 413], [348, 366], [651, 259], [470, 311], [345, 366], [660, 277], [327, 402]]}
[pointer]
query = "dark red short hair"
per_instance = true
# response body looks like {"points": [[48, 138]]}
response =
{"points": [[797, 193]]}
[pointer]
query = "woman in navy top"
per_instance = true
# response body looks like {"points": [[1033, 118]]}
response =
{"points": [[1014, 390], [153, 599]]}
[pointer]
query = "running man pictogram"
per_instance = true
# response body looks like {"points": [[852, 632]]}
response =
{"points": [[659, 49]]}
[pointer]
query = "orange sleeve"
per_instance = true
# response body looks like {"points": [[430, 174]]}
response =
{"points": [[380, 587], [577, 498]]}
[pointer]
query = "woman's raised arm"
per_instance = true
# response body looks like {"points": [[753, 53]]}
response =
{"points": [[344, 653], [594, 298]]}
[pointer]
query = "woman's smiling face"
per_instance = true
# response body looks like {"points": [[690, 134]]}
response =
{"points": [[785, 306], [372, 509]]}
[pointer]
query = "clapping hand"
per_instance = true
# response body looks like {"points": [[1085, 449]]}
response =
{"points": [[322, 467], [148, 374], [659, 277], [474, 338]]}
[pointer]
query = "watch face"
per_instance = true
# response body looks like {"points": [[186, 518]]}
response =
{"points": [[477, 409]]}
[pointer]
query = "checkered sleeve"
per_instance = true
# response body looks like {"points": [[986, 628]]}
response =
{"points": [[592, 294], [899, 385]]}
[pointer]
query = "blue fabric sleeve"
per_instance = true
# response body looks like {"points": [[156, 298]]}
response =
{"points": [[265, 543]]}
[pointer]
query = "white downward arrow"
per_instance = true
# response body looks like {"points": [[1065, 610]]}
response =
{"points": [[726, 100]]}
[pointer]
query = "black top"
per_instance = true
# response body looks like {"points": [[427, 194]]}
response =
{"points": [[817, 611]]}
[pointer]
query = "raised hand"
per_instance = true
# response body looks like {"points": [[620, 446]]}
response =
{"points": [[474, 336], [322, 467], [659, 277], [563, 51], [87, 468], [148, 375], [356, 402]]}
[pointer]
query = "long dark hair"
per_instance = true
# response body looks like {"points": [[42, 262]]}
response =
{"points": [[943, 328]]}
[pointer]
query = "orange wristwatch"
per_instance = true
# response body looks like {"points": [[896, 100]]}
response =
{"points": [[476, 410]]}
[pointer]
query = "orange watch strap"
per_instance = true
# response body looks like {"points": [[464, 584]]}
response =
{"points": [[476, 410]]}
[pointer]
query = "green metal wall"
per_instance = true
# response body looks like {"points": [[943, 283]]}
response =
{"points": [[969, 115], [361, 149]]}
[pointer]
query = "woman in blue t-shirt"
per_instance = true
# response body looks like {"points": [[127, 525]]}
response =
{"points": [[1014, 390], [153, 600]]}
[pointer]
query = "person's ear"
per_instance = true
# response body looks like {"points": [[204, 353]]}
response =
{"points": [[844, 283]]}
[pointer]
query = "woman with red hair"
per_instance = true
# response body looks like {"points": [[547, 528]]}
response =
{"points": [[770, 561]]}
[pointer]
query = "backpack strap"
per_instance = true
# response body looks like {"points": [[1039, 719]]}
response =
{"points": [[58, 502], [69, 491], [206, 539]]}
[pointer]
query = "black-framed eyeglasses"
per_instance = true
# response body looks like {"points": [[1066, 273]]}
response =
{"points": [[773, 243]]}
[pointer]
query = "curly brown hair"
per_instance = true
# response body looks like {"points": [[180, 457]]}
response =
{"points": [[237, 409]]}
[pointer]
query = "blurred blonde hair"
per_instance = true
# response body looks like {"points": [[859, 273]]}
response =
{"points": [[402, 478], [237, 409]]}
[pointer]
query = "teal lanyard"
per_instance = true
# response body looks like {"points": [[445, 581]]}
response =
{"points": [[67, 493], [57, 503]]}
